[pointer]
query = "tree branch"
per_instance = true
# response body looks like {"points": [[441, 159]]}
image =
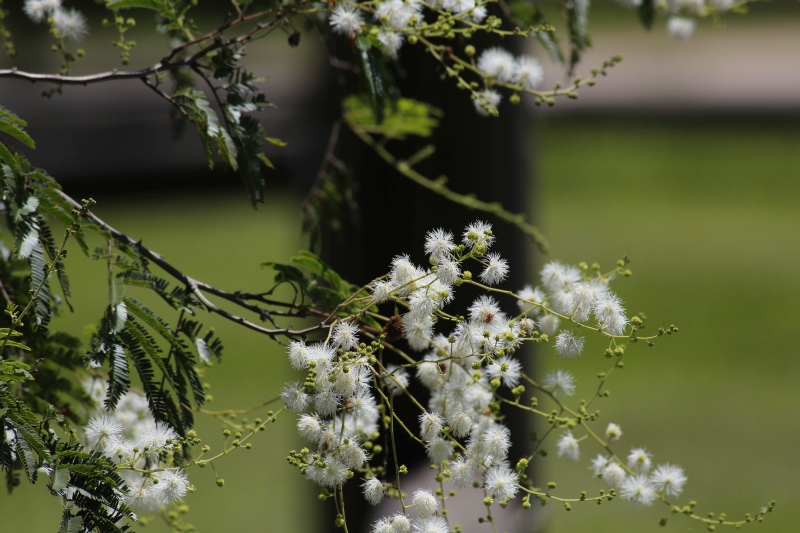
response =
{"points": [[199, 288]]}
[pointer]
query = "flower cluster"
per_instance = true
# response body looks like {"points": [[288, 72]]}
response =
{"points": [[637, 483], [467, 368], [69, 23], [345, 413], [139, 446], [395, 22]]}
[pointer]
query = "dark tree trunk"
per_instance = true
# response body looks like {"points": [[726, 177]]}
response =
{"points": [[481, 155]]}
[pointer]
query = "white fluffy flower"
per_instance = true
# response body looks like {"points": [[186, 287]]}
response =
{"points": [[610, 314], [462, 473], [298, 355], [613, 432], [382, 525], [101, 430], [439, 450], [430, 424], [530, 300], [330, 474], [507, 369], [70, 24], [568, 447], [580, 301], [310, 427], [172, 486], [496, 269], [560, 380], [568, 345], [373, 490], [485, 311], [448, 271], [439, 243], [498, 63], [668, 479], [294, 397], [391, 41], [613, 474], [345, 336], [400, 524], [501, 482], [549, 324], [425, 503], [528, 72], [156, 436], [37, 10], [479, 232], [346, 19], [638, 490], [680, 28], [432, 524], [496, 441], [382, 291], [640, 460], [418, 329], [556, 276], [141, 495]]}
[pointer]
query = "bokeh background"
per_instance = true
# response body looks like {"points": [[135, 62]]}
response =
{"points": [[684, 159]]}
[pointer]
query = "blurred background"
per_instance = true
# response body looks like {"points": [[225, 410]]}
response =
{"points": [[684, 159]]}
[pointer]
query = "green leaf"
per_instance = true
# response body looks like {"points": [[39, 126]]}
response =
{"points": [[118, 376], [275, 141], [314, 264], [370, 61], [8, 158], [7, 115], [647, 13], [550, 43], [59, 479], [18, 133], [578, 23], [264, 159], [401, 117], [12, 124], [286, 273], [116, 291], [26, 458]]}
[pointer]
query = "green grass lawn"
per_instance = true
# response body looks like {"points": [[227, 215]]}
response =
{"points": [[707, 213]]}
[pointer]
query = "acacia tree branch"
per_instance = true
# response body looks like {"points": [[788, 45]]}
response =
{"points": [[199, 288]]}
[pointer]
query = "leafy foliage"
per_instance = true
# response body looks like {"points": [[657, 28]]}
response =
{"points": [[401, 117]]}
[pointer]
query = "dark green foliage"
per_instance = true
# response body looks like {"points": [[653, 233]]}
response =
{"points": [[647, 13], [134, 278], [96, 504], [577, 23], [19, 438], [526, 14], [373, 73], [321, 287], [139, 347], [197, 109]]}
